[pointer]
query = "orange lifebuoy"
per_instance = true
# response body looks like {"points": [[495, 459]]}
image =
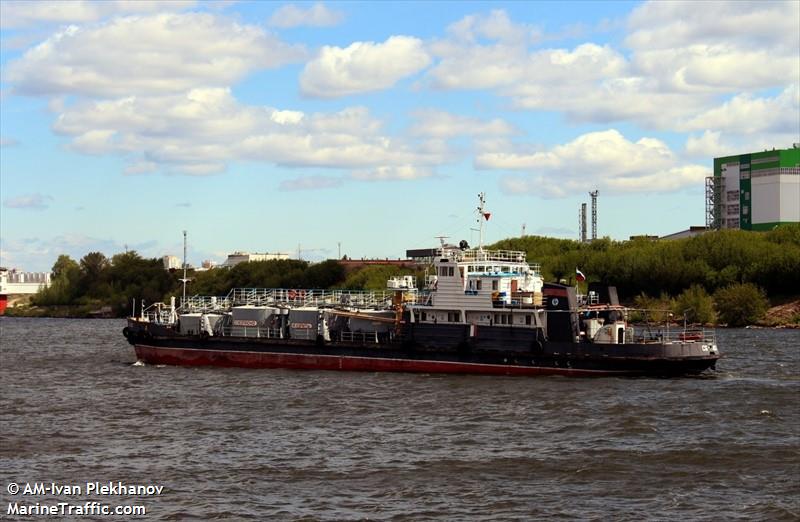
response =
{"points": [[292, 294]]}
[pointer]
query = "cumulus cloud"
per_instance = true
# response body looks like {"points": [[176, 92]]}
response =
{"points": [[317, 15], [163, 53], [604, 159], [707, 145], [199, 132], [22, 13], [441, 124], [747, 114], [35, 201], [494, 26], [680, 61], [660, 25], [363, 67]]}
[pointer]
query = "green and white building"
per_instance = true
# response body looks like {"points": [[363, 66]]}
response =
{"points": [[756, 191]]}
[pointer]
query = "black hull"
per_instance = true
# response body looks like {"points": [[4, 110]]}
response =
{"points": [[511, 352]]}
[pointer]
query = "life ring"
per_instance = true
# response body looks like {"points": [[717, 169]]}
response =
{"points": [[292, 294]]}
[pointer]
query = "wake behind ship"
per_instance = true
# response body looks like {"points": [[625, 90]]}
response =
{"points": [[479, 311]]}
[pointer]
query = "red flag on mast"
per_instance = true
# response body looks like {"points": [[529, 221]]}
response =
{"points": [[487, 215]]}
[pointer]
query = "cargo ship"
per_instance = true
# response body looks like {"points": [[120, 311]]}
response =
{"points": [[478, 311]]}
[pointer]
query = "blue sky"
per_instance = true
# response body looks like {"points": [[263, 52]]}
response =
{"points": [[262, 126]]}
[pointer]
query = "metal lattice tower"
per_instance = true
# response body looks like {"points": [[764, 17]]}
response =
{"points": [[594, 213], [582, 222], [714, 191]]}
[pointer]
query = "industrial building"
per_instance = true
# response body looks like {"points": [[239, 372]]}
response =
{"points": [[171, 262], [755, 191], [244, 257]]}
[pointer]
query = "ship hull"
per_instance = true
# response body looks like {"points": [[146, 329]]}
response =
{"points": [[553, 359]]}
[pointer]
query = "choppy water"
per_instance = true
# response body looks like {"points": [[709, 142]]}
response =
{"points": [[289, 445]]}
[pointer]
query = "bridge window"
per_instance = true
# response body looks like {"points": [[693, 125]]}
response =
{"points": [[494, 284]]}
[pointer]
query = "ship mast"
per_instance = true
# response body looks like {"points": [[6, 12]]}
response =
{"points": [[482, 216], [184, 279]]}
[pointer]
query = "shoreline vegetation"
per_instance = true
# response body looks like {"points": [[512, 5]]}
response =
{"points": [[730, 277]]}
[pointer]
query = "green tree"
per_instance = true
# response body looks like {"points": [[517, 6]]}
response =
{"points": [[656, 309], [695, 305], [63, 265], [741, 304], [64, 284], [94, 275]]}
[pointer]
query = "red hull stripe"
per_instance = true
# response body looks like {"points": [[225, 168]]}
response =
{"points": [[245, 359]]}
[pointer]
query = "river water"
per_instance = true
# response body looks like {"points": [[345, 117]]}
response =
{"points": [[294, 445]]}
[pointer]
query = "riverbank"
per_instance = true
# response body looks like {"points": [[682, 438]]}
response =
{"points": [[61, 311]]}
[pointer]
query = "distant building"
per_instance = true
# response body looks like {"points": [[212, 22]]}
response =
{"points": [[171, 262], [756, 191], [690, 232], [245, 257], [15, 284]]}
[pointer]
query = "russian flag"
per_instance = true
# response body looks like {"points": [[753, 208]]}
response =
{"points": [[579, 275]]}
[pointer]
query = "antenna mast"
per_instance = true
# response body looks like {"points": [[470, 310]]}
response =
{"points": [[594, 214], [582, 222]]}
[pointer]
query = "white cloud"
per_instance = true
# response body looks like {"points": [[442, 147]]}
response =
{"points": [[442, 124], [162, 53], [201, 131], [317, 15], [681, 61], [6, 141], [394, 172], [35, 201], [707, 145], [494, 26], [604, 159], [663, 25], [363, 67], [311, 183], [24, 13], [746, 114]]}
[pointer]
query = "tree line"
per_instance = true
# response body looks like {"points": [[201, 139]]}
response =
{"points": [[698, 274], [724, 275]]}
